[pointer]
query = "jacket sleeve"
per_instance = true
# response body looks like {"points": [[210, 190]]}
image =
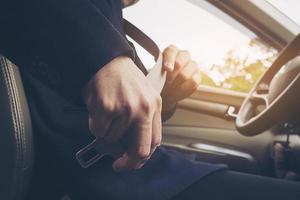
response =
{"points": [[71, 37]]}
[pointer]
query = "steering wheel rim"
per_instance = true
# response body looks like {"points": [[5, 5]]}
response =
{"points": [[249, 123]]}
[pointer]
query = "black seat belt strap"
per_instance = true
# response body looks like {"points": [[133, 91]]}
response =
{"points": [[141, 38]]}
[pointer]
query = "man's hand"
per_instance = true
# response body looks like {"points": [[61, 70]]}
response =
{"points": [[183, 77], [122, 103]]}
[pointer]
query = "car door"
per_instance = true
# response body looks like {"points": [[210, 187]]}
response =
{"points": [[233, 45]]}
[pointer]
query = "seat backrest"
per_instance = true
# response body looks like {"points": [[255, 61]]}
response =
{"points": [[16, 142]]}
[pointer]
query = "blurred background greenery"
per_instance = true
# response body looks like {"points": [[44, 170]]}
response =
{"points": [[240, 71]]}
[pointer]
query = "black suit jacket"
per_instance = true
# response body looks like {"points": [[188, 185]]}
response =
{"points": [[62, 42]]}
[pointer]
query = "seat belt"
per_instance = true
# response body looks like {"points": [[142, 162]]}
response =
{"points": [[99, 148], [141, 38]]}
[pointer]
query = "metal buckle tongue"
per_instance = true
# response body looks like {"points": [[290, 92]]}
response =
{"points": [[96, 150]]}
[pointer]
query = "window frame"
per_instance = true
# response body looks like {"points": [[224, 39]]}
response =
{"points": [[273, 27]]}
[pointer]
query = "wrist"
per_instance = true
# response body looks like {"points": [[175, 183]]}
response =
{"points": [[168, 109]]}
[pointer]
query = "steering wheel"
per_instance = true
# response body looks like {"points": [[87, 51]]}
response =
{"points": [[275, 96]]}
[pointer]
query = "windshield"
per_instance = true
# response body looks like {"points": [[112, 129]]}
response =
{"points": [[290, 8]]}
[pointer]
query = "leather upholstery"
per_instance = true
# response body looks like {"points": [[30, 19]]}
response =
{"points": [[16, 145]]}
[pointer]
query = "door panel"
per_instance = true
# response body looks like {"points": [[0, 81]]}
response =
{"points": [[219, 95], [201, 127]]}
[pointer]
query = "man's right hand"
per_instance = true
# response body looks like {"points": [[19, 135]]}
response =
{"points": [[120, 98]]}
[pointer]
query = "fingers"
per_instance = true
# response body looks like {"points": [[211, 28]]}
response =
{"points": [[189, 86], [174, 62], [156, 136], [116, 130], [139, 145], [144, 137], [186, 73], [156, 129], [169, 57], [181, 78], [182, 59]]}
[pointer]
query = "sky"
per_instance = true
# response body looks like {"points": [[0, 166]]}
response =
{"points": [[188, 27]]}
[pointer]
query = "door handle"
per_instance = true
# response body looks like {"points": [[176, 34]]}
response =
{"points": [[231, 113]]}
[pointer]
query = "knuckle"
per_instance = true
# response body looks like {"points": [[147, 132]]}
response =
{"points": [[184, 75], [99, 101], [146, 106], [158, 100], [109, 107], [128, 109], [156, 142], [178, 64], [142, 153], [183, 57]]}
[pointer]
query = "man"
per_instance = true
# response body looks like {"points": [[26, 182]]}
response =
{"points": [[81, 77]]}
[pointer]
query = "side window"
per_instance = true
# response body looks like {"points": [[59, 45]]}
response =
{"points": [[229, 56]]}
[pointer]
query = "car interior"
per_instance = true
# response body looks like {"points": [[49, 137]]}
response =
{"points": [[214, 125]]}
